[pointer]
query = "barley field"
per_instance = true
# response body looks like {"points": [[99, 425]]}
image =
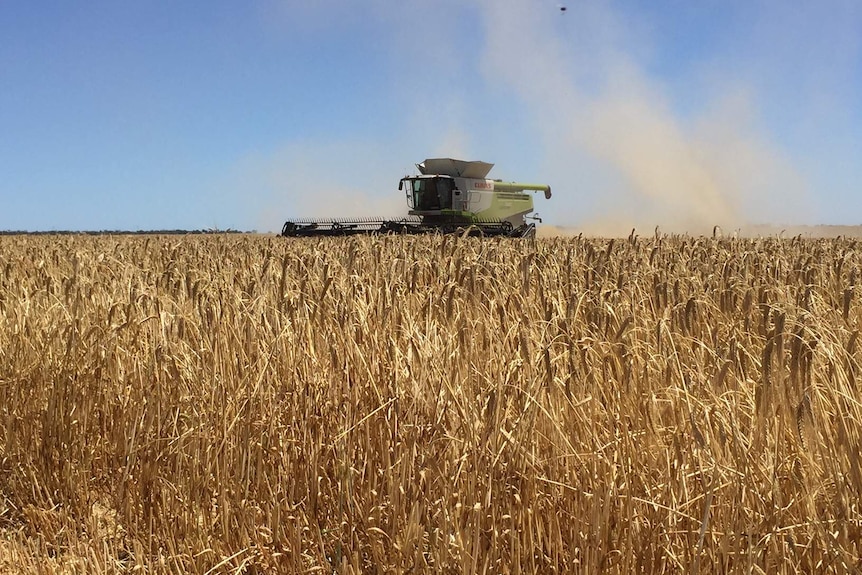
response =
{"points": [[249, 404]]}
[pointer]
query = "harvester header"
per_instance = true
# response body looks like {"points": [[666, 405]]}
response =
{"points": [[447, 196]]}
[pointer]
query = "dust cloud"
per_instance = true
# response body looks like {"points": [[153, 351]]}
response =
{"points": [[310, 179], [594, 103]]}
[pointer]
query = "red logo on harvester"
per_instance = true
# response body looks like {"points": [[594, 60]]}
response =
{"points": [[483, 185]]}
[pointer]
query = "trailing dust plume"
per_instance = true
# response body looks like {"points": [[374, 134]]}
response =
{"points": [[611, 132]]}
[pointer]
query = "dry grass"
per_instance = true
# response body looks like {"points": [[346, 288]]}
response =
{"points": [[433, 404]]}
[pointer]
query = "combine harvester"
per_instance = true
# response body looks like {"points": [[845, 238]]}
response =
{"points": [[448, 196]]}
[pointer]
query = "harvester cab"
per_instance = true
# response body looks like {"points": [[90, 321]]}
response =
{"points": [[447, 196]]}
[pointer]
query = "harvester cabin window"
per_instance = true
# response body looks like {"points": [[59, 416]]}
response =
{"points": [[444, 193], [433, 193]]}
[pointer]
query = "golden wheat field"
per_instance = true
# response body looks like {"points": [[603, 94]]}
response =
{"points": [[250, 404]]}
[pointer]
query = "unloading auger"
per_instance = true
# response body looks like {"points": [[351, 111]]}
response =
{"points": [[447, 196]]}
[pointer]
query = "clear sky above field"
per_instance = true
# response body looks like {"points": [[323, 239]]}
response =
{"points": [[139, 115]]}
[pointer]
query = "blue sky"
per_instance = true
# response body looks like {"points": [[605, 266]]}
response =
{"points": [[225, 114]]}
